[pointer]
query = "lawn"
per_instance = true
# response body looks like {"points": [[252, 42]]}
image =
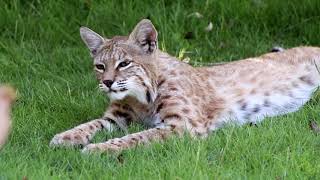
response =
{"points": [[41, 54]]}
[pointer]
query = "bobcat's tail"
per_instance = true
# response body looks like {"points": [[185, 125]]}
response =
{"points": [[277, 49]]}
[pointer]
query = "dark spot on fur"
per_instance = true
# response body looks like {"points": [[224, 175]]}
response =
{"points": [[110, 120], [169, 116], [173, 89], [77, 137], [266, 103], [163, 136], [185, 110], [243, 106], [113, 143], [240, 101], [161, 82], [306, 80], [127, 108], [141, 81], [173, 73], [66, 138], [94, 51], [101, 124], [129, 119], [194, 124], [247, 116], [160, 106], [172, 104], [256, 109], [196, 100], [183, 99], [91, 127], [148, 96], [115, 105], [253, 91], [267, 94], [165, 97], [120, 114], [123, 89], [173, 126]]}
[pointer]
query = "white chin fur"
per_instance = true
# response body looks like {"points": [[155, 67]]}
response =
{"points": [[117, 96], [139, 95]]}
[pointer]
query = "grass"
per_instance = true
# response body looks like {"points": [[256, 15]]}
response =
{"points": [[42, 55]]}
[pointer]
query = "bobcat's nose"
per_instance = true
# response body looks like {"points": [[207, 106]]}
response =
{"points": [[108, 83]]}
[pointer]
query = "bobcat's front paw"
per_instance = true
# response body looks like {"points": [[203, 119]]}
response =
{"points": [[70, 138], [100, 148]]}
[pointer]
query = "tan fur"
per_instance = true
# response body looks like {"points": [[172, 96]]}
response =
{"points": [[7, 96], [172, 97]]}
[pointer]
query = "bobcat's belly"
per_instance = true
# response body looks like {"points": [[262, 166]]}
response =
{"points": [[255, 107]]}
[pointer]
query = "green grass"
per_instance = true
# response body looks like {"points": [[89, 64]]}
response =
{"points": [[42, 55]]}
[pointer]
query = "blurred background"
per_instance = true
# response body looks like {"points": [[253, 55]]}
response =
{"points": [[237, 25]]}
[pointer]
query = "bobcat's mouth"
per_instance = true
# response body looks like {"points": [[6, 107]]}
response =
{"points": [[122, 89], [111, 90]]}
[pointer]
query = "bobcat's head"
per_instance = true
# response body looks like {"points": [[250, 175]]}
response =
{"points": [[125, 65]]}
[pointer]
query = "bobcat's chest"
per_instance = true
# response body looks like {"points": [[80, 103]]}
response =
{"points": [[147, 115]]}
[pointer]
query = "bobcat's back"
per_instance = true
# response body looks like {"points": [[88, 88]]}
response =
{"points": [[243, 91]]}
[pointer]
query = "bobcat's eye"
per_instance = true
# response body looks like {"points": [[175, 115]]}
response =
{"points": [[124, 64], [100, 67]]}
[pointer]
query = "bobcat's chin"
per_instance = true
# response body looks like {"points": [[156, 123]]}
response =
{"points": [[117, 95], [140, 95]]}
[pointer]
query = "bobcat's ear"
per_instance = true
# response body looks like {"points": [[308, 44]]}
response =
{"points": [[91, 39], [145, 35]]}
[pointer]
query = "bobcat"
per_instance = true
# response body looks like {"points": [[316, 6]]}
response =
{"points": [[148, 86], [7, 96]]}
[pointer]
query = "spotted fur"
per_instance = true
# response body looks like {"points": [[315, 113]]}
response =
{"points": [[171, 97]]}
